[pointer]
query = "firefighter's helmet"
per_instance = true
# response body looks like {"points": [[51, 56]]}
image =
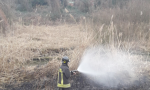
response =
{"points": [[65, 59]]}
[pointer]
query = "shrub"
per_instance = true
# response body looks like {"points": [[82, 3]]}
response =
{"points": [[55, 13], [27, 5], [131, 22], [24, 5], [39, 2], [5, 18], [84, 6], [64, 3]]}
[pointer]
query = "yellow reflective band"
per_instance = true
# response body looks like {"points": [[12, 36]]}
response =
{"points": [[63, 85], [62, 81]]}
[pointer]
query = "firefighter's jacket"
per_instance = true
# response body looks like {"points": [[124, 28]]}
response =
{"points": [[63, 76]]}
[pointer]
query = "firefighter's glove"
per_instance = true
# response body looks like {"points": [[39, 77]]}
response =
{"points": [[72, 72]]}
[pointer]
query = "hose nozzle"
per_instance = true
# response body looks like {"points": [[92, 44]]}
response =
{"points": [[73, 71]]}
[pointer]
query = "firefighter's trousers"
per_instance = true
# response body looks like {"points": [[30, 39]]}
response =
{"points": [[64, 89]]}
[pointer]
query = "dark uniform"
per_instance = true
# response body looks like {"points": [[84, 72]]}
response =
{"points": [[63, 76]]}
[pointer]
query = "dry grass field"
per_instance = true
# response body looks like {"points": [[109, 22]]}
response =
{"points": [[28, 42], [39, 43], [36, 40]]}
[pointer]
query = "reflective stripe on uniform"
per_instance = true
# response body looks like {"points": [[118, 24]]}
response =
{"points": [[62, 85]]}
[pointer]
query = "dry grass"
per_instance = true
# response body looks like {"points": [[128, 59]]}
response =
{"points": [[19, 47], [126, 24], [27, 42]]}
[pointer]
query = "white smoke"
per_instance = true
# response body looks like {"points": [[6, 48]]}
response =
{"points": [[108, 67]]}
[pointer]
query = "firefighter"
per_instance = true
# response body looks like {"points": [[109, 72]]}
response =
{"points": [[64, 74]]}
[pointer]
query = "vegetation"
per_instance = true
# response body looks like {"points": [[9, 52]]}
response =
{"points": [[50, 29]]}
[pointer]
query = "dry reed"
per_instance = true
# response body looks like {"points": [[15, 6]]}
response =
{"points": [[28, 42]]}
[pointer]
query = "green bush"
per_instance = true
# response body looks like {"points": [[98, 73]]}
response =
{"points": [[28, 5], [24, 5], [85, 6], [55, 12], [64, 3], [97, 3], [39, 2]]}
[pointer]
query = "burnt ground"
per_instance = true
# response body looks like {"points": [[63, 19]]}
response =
{"points": [[78, 82]]}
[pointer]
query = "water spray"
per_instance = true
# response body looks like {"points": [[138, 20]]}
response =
{"points": [[108, 67]]}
